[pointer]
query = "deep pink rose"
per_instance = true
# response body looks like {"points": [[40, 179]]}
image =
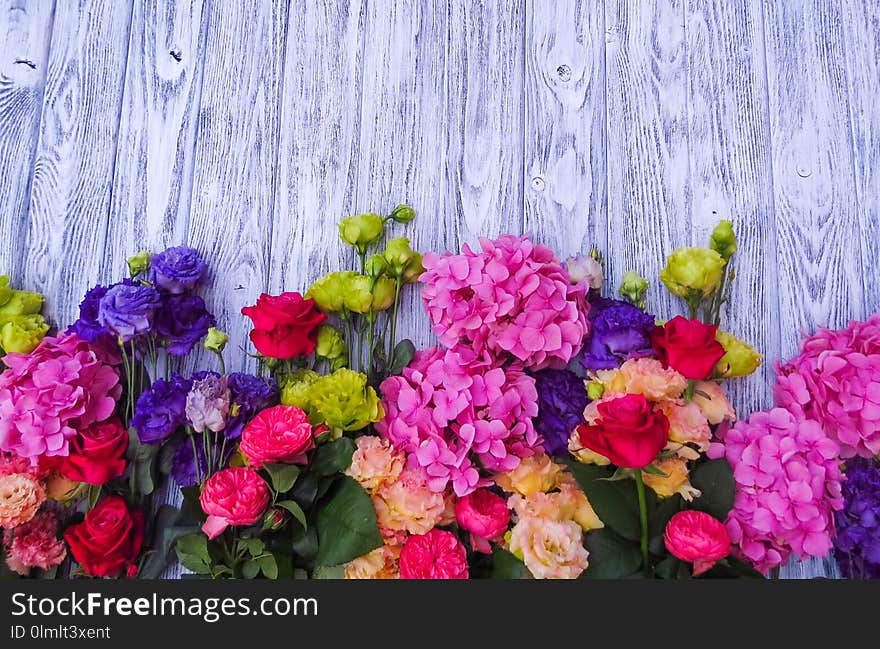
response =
{"points": [[435, 555], [278, 434], [698, 538], [485, 515], [236, 496]]}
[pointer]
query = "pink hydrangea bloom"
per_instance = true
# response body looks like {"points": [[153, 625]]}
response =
{"points": [[64, 385], [514, 296], [454, 410], [788, 484], [34, 544], [836, 381]]}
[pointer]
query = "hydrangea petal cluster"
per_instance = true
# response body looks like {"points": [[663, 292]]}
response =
{"points": [[857, 544], [34, 544], [512, 297], [562, 398], [64, 385], [454, 410], [788, 484], [835, 380]]}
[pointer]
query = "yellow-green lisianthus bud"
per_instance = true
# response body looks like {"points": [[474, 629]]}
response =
{"points": [[740, 358], [296, 390], [414, 269], [634, 287], [216, 340], [376, 266], [139, 263], [345, 402], [328, 291], [398, 254], [383, 293], [357, 293], [22, 333], [331, 343], [595, 390], [723, 240], [402, 214], [22, 303], [362, 230], [692, 270], [5, 291]]}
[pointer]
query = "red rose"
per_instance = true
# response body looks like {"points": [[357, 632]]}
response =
{"points": [[687, 346], [285, 325], [109, 540], [629, 432], [97, 454]]}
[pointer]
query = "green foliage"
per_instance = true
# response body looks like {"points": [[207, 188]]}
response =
{"points": [[346, 524]]}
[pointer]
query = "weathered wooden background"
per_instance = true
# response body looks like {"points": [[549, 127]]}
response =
{"points": [[248, 128]]}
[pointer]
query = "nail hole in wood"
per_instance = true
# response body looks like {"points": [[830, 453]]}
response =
{"points": [[564, 72], [538, 184]]}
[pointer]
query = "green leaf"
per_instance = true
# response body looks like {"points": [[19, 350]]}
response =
{"points": [[611, 556], [401, 357], [346, 523], [668, 568], [653, 470], [269, 566], [250, 568], [164, 536], [587, 473], [506, 565], [191, 509], [305, 490], [166, 458], [329, 572], [192, 551], [254, 547], [304, 544], [295, 510], [283, 476], [334, 457], [617, 505], [659, 513], [714, 479]]}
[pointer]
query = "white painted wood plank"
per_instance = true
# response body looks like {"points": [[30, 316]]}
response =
{"points": [[820, 277], [318, 147], [236, 156], [25, 33], [565, 145], [861, 30], [76, 152], [155, 151], [648, 145]]}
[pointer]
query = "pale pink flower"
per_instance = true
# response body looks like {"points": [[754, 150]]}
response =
{"points": [[408, 505], [551, 549], [713, 401], [788, 484], [514, 296], [375, 462], [687, 424], [34, 544]]}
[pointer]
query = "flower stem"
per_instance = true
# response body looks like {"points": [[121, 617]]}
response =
{"points": [[391, 341], [643, 517], [192, 438]]}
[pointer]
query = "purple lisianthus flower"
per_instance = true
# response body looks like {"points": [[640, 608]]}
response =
{"points": [[562, 398], [87, 326], [250, 395], [177, 270], [161, 410], [207, 404], [183, 468], [619, 331], [857, 544], [126, 310], [182, 320]]}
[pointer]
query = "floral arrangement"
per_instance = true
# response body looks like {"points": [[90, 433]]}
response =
{"points": [[552, 433]]}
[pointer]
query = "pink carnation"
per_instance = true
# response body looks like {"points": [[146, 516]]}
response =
{"points": [[514, 296], [788, 484], [836, 381], [34, 544], [407, 505], [454, 410], [435, 555], [63, 386]]}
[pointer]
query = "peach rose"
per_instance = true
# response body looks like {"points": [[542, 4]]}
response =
{"points": [[645, 376], [375, 462], [381, 563], [687, 424], [533, 474], [712, 400]]}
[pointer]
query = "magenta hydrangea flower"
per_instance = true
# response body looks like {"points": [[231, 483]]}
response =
{"points": [[513, 297], [788, 486], [64, 385], [453, 411], [836, 381]]}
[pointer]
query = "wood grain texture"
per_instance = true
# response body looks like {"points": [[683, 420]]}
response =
{"points": [[647, 122], [76, 152], [236, 155], [565, 146], [731, 171], [25, 33], [861, 33], [157, 130]]}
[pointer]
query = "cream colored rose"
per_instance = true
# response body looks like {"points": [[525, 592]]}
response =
{"points": [[550, 549]]}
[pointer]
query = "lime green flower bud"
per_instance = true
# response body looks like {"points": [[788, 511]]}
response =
{"points": [[216, 340], [414, 269], [22, 303], [331, 343], [383, 293], [595, 390], [740, 358], [634, 287], [692, 270], [5, 291], [22, 333], [376, 266], [139, 263], [362, 230], [345, 402], [358, 293], [296, 390], [723, 240], [402, 214], [328, 291], [398, 254]]}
